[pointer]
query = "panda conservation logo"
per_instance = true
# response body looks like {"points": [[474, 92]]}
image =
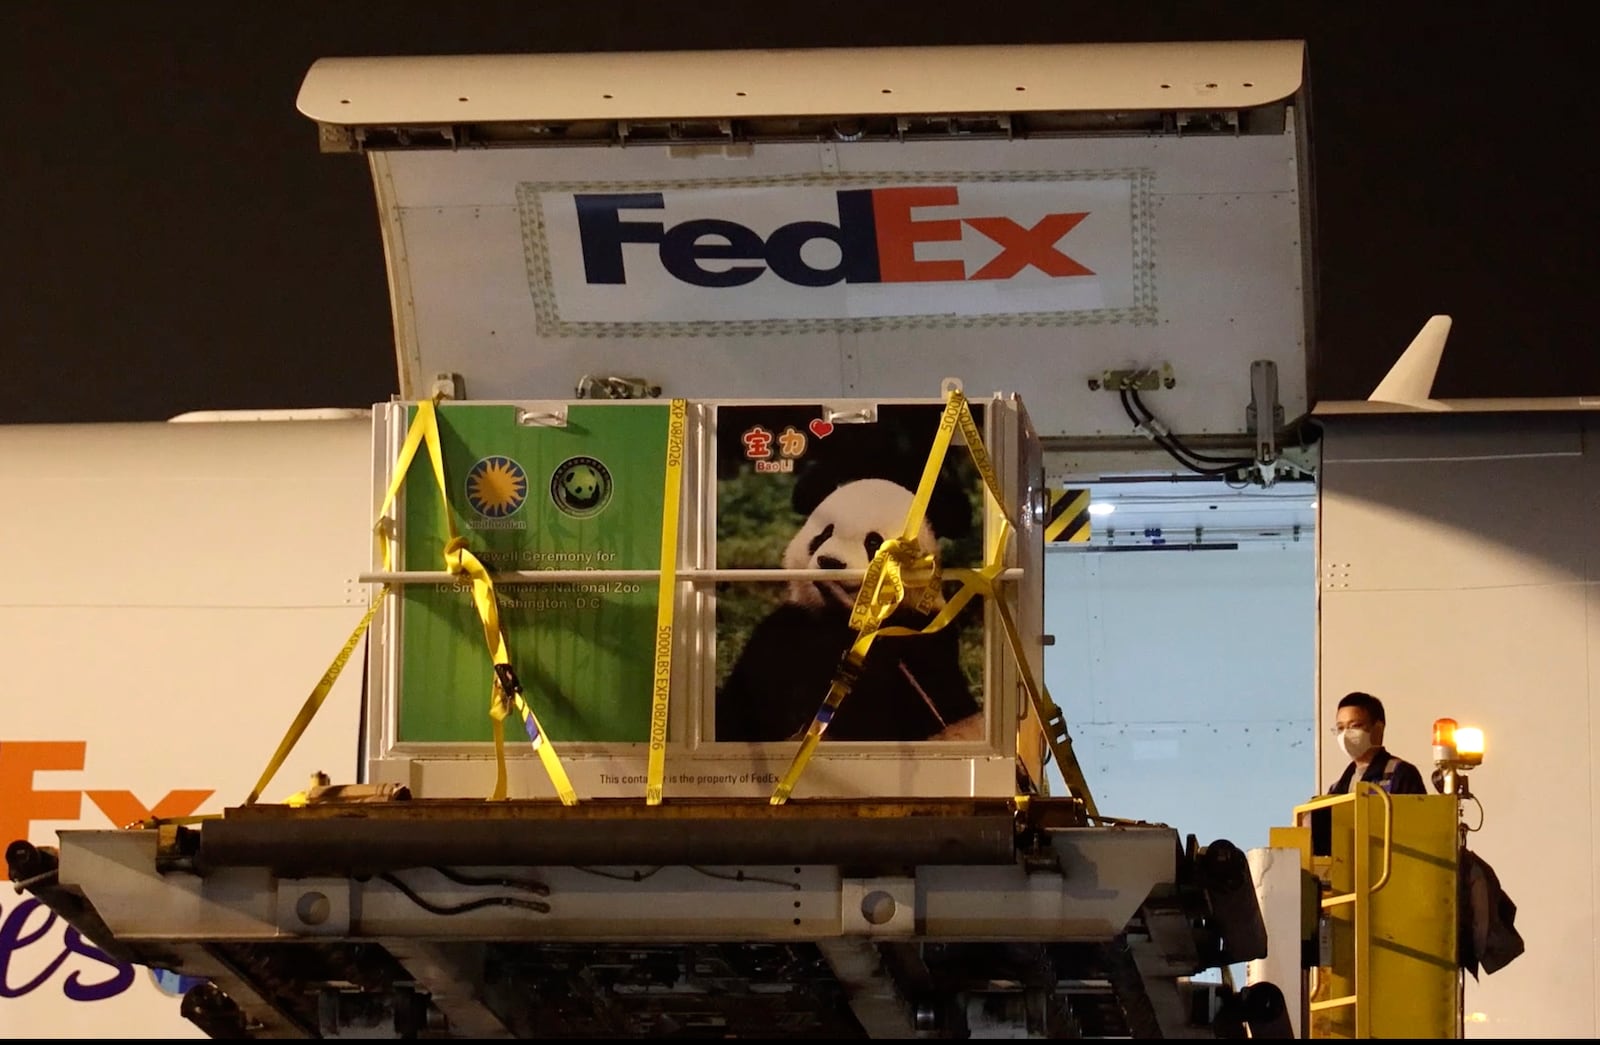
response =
{"points": [[581, 487], [497, 487]]}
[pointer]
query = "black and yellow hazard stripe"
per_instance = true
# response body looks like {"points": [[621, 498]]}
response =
{"points": [[1066, 519]]}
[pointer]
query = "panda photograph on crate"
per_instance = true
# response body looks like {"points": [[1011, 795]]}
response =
{"points": [[796, 490]]}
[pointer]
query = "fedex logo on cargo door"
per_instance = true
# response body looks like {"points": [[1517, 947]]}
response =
{"points": [[875, 240], [796, 254]]}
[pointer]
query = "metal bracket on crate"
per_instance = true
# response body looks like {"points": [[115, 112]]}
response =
{"points": [[854, 416], [542, 418]]}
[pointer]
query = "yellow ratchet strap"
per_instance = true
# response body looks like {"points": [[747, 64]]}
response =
{"points": [[666, 600], [506, 690], [301, 720], [1050, 714], [878, 607], [506, 694], [313, 702], [426, 428], [882, 590]]}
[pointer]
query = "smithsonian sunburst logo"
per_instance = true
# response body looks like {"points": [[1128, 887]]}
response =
{"points": [[497, 488]]}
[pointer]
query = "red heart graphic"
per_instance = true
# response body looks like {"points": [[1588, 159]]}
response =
{"points": [[821, 429]]}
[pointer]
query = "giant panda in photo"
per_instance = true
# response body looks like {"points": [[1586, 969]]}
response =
{"points": [[912, 687]]}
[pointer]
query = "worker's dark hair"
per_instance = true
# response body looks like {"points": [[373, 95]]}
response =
{"points": [[1366, 702]]}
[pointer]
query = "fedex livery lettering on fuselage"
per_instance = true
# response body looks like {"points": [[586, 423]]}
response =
{"points": [[838, 255], [38, 951]]}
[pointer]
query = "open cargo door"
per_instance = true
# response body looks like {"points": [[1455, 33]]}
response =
{"points": [[846, 222]]}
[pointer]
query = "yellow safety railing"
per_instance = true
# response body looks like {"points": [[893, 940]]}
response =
{"points": [[1360, 895]]}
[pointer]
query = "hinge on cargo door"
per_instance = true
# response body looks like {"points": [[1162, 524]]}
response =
{"points": [[1264, 415], [611, 386], [1278, 452], [1266, 460], [449, 386]]}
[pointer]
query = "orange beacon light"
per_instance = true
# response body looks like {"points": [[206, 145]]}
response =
{"points": [[1444, 740]]}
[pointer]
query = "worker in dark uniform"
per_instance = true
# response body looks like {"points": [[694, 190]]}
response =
{"points": [[1358, 731]]}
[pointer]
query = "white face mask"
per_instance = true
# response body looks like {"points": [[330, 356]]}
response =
{"points": [[1355, 742]]}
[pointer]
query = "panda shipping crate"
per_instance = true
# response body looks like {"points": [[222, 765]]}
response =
{"points": [[781, 506]]}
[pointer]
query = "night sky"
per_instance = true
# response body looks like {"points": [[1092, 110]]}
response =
{"points": [[172, 240]]}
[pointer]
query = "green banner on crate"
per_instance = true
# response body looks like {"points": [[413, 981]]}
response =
{"points": [[583, 496]]}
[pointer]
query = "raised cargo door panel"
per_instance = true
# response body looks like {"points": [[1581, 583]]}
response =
{"points": [[1047, 232]]}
